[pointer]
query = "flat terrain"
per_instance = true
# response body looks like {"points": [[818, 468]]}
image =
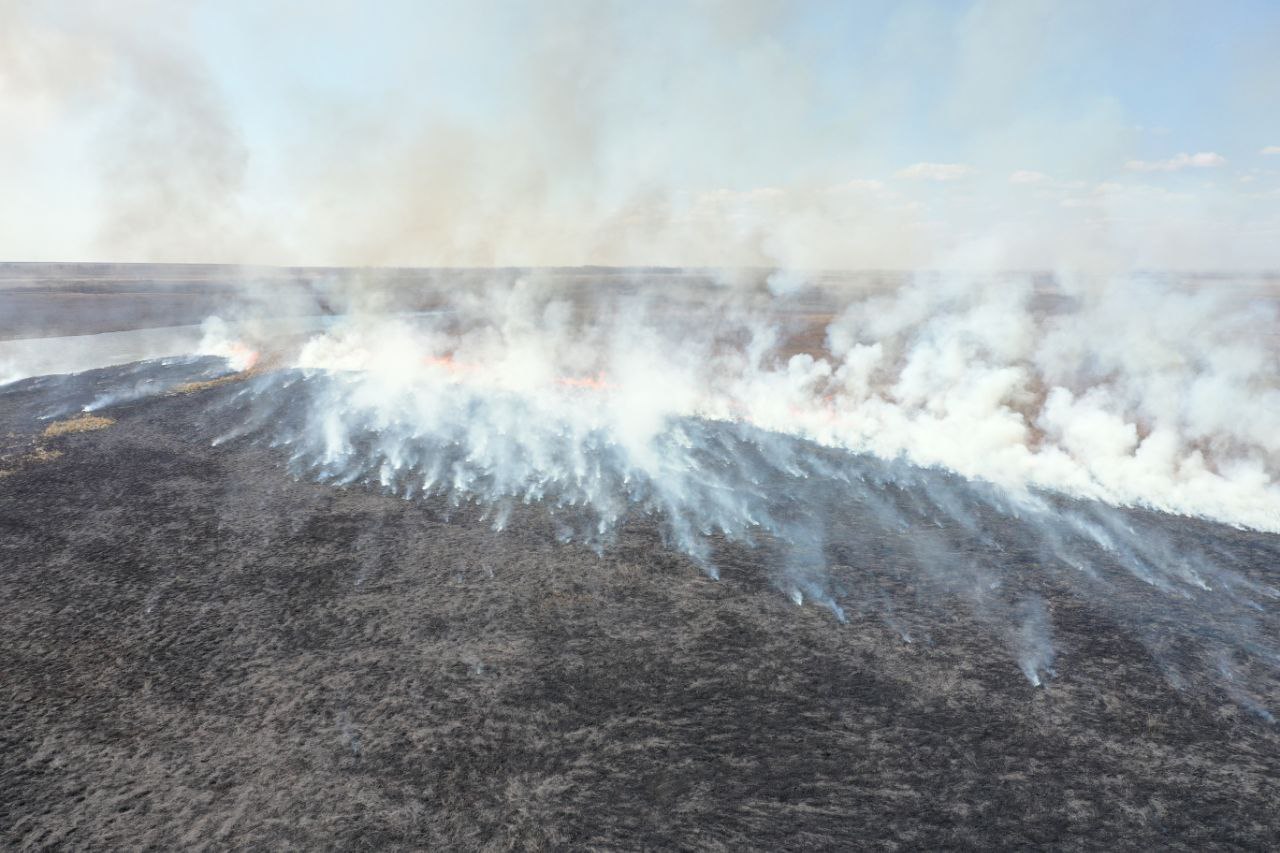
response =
{"points": [[200, 651]]}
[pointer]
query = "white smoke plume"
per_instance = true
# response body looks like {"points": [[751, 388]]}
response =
{"points": [[942, 415], [1143, 392], [744, 133], [788, 411]]}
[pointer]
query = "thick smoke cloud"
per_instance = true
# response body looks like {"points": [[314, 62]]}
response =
{"points": [[1144, 392], [949, 418], [789, 417], [688, 134], [127, 132]]}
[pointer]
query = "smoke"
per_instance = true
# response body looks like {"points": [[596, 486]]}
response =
{"points": [[124, 146], [1129, 392], [693, 134], [975, 426], [20, 359], [789, 412], [173, 167]]}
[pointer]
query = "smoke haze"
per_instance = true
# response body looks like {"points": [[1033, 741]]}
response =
{"points": [[776, 417], [686, 134], [724, 381]]}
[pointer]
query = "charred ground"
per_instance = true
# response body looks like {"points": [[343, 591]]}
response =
{"points": [[200, 650]]}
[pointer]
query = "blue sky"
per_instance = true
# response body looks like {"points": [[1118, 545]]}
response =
{"points": [[1018, 133]]}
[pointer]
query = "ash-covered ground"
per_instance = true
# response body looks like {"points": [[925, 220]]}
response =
{"points": [[201, 650]]}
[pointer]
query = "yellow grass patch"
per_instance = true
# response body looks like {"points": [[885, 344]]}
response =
{"points": [[204, 385], [83, 423], [39, 454]]}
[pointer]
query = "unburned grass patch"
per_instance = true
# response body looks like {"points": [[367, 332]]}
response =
{"points": [[206, 384], [82, 423], [14, 458]]}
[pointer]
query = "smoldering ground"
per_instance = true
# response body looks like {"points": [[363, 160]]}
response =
{"points": [[200, 648], [515, 559], [471, 559], [969, 423]]}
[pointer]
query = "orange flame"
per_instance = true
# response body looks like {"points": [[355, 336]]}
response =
{"points": [[593, 383], [243, 357]]}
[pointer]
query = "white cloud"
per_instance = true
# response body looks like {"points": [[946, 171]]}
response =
{"points": [[1200, 160], [1270, 149], [1026, 176], [936, 171]]}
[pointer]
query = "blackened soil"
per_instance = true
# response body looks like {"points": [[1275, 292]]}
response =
{"points": [[198, 651]]}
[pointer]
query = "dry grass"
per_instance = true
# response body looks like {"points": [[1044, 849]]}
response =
{"points": [[38, 454], [204, 385], [15, 459], [82, 423], [87, 423]]}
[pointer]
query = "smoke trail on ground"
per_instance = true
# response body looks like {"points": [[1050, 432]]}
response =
{"points": [[981, 436]]}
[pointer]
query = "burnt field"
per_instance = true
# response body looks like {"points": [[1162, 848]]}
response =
{"points": [[201, 649]]}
